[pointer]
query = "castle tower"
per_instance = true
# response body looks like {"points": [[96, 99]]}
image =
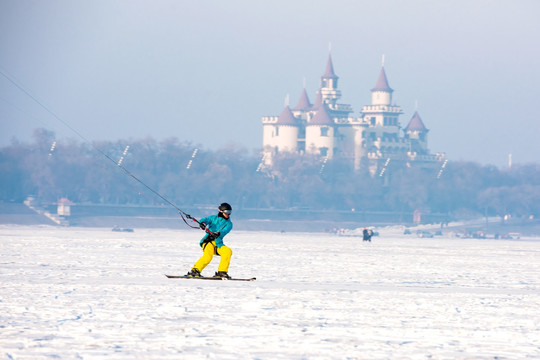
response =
{"points": [[416, 133], [303, 102], [282, 134], [329, 93], [382, 138], [381, 94], [381, 100], [320, 134], [302, 112], [329, 84], [318, 101]]}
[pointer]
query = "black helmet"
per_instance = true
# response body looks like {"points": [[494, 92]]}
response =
{"points": [[225, 208]]}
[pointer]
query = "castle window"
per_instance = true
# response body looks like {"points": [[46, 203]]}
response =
{"points": [[373, 120], [324, 151], [277, 131], [324, 131]]}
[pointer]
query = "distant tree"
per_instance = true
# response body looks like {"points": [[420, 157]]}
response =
{"points": [[89, 173], [12, 173], [407, 189]]}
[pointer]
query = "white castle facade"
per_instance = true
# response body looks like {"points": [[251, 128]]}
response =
{"points": [[328, 129]]}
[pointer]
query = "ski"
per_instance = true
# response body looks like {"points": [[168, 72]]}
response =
{"points": [[207, 278]]}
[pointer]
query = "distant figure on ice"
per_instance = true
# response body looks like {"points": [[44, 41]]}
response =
{"points": [[216, 226], [367, 234]]}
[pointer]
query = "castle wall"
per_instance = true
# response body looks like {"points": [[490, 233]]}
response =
{"points": [[288, 138], [320, 140], [280, 137]]}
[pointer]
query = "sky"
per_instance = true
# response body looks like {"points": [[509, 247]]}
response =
{"points": [[207, 71]]}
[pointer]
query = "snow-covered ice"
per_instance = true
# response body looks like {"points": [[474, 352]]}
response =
{"points": [[82, 293]]}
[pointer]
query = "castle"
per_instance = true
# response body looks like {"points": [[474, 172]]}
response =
{"points": [[328, 129]]}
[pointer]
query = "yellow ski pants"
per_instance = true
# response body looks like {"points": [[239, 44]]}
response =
{"points": [[209, 249]]}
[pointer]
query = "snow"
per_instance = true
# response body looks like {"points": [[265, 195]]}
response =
{"points": [[84, 293]]}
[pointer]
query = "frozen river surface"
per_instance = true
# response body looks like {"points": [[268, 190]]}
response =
{"points": [[78, 293]]}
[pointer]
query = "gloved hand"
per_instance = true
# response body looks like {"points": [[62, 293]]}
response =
{"points": [[202, 225], [216, 234]]}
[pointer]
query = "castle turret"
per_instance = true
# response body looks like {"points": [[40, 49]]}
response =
{"points": [[382, 120], [416, 132], [329, 93], [303, 102], [320, 134], [302, 112], [381, 94], [318, 102], [329, 80], [329, 85], [281, 135]]}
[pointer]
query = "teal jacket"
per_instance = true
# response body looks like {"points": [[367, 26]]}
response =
{"points": [[216, 223]]}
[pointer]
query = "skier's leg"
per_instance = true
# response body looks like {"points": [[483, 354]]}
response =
{"points": [[225, 252], [208, 254]]}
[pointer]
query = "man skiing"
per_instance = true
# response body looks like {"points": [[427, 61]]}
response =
{"points": [[216, 226]]}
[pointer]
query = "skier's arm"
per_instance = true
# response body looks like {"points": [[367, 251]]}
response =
{"points": [[222, 233]]}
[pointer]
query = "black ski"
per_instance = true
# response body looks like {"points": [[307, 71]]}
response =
{"points": [[207, 278]]}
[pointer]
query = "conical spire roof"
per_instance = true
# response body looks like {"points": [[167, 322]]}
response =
{"points": [[321, 117], [329, 71], [382, 82], [318, 101], [287, 117], [303, 103], [416, 123]]}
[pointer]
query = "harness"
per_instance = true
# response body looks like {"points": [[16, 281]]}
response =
{"points": [[211, 242], [211, 238]]}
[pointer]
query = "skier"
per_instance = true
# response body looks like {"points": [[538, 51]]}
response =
{"points": [[367, 234], [216, 226]]}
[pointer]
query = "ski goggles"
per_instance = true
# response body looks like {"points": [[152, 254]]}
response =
{"points": [[228, 212]]}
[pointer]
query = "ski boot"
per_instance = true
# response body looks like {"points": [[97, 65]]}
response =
{"points": [[194, 273], [222, 274]]}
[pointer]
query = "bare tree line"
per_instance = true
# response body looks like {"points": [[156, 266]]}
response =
{"points": [[187, 174]]}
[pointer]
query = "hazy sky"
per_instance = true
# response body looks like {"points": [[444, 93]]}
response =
{"points": [[206, 71]]}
